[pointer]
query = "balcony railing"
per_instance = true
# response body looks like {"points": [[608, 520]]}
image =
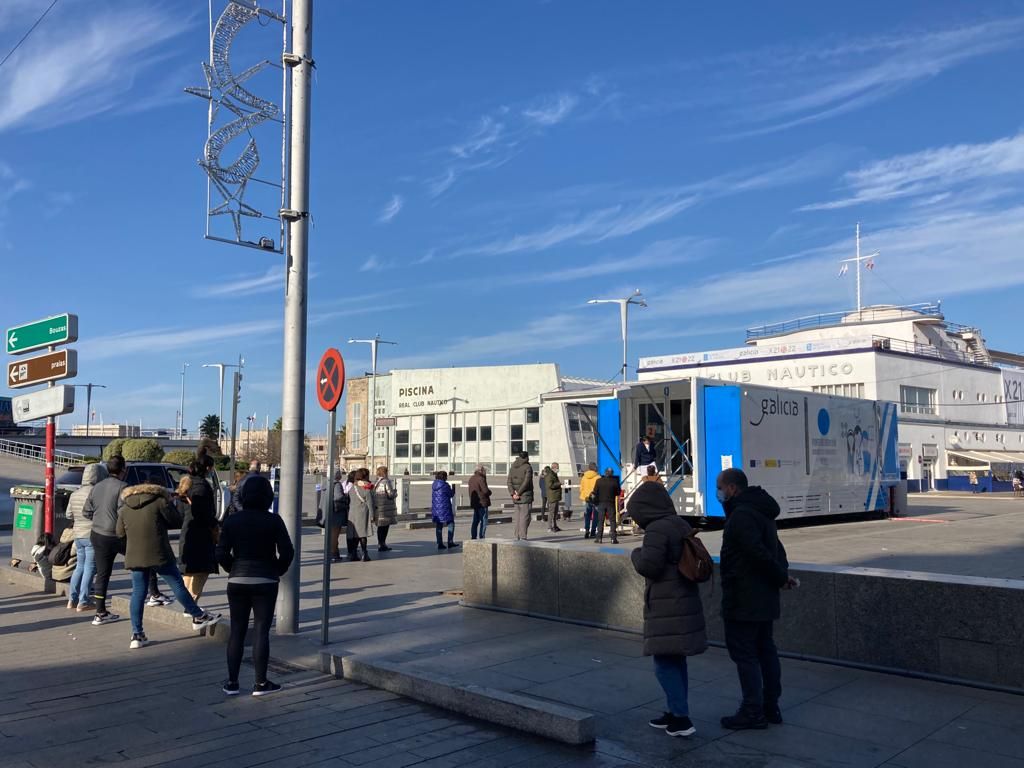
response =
{"points": [[830, 319]]}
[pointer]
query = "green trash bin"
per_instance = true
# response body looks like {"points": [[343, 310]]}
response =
{"points": [[29, 519]]}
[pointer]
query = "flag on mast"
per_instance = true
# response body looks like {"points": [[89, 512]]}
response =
{"points": [[870, 264], [844, 269]]}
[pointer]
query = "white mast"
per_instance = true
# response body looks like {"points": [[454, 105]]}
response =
{"points": [[857, 261]]}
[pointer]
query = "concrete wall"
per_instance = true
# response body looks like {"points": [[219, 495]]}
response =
{"points": [[965, 628]]}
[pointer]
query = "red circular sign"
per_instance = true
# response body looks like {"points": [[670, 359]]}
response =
{"points": [[330, 379]]}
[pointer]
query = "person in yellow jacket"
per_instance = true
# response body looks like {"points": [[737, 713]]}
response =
{"points": [[587, 483]]}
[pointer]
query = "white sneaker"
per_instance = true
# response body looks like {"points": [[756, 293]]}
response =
{"points": [[139, 640]]}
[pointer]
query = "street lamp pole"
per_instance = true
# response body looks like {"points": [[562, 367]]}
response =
{"points": [[220, 369], [372, 415], [181, 408], [88, 402], [638, 299]]}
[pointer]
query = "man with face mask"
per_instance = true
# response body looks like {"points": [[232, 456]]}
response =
{"points": [[753, 569]]}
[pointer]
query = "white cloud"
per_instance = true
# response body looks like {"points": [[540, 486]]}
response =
{"points": [[438, 185], [931, 172], [552, 111], [803, 86], [391, 210], [486, 135], [245, 285], [69, 71]]}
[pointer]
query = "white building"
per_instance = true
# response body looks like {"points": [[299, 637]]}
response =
{"points": [[455, 418], [961, 403]]}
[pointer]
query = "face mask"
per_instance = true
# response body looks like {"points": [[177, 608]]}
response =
{"points": [[720, 495]]}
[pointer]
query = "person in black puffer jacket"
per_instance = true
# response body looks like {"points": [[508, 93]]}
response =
{"points": [[753, 569], [673, 613], [255, 550]]}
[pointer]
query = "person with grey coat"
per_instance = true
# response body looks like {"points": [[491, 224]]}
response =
{"points": [[360, 512], [673, 612], [102, 509], [85, 566], [520, 485]]}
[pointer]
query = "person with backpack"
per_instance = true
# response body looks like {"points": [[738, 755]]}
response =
{"points": [[753, 568], [673, 613], [85, 567], [339, 514]]}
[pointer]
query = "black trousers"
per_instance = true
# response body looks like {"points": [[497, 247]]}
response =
{"points": [[382, 535], [257, 600], [106, 549], [752, 648]]}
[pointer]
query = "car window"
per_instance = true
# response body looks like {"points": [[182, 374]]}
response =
{"points": [[175, 475], [71, 477], [132, 476]]}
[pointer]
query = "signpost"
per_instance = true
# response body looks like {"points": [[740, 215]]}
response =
{"points": [[49, 332], [39, 334], [39, 370], [330, 383]]}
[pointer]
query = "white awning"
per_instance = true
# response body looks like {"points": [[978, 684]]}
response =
{"points": [[988, 458]]}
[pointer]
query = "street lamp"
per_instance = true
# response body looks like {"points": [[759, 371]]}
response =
{"points": [[638, 299], [372, 422], [220, 368], [88, 402], [181, 409]]}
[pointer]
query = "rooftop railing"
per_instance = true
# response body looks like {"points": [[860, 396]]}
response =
{"points": [[830, 319]]}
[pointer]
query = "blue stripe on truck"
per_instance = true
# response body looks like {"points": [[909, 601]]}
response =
{"points": [[723, 441]]}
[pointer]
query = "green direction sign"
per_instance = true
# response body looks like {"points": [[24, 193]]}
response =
{"points": [[59, 329], [23, 517]]}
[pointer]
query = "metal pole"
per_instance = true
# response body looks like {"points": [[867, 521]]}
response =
{"points": [[293, 401], [234, 419], [88, 406], [373, 401], [857, 266], [325, 597], [181, 408], [625, 349], [51, 445], [220, 413]]}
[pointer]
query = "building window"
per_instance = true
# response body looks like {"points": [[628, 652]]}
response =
{"points": [[456, 434], [428, 450], [442, 450], [401, 436], [402, 451], [500, 468], [843, 390], [485, 434], [517, 447], [357, 426], [416, 469], [428, 421], [574, 424], [470, 434], [517, 432], [533, 415], [417, 450], [533, 447], [917, 400]]}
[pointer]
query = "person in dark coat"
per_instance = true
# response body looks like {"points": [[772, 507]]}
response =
{"points": [[479, 500], [197, 547], [340, 504], [607, 490], [644, 455], [673, 613], [753, 569], [441, 511], [256, 551]]}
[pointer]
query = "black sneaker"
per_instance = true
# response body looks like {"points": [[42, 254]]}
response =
{"points": [[139, 640], [230, 688], [264, 689], [773, 714], [206, 620], [680, 726], [453, 544], [742, 721], [441, 546], [661, 722], [104, 618], [366, 557]]}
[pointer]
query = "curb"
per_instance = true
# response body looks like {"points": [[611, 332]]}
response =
{"points": [[170, 617], [511, 710]]}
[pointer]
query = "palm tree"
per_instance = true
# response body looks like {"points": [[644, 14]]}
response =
{"points": [[210, 427]]}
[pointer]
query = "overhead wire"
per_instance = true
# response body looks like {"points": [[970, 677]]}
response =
{"points": [[25, 37]]}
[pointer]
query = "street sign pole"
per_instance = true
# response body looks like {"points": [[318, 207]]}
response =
{"points": [[328, 513], [51, 447]]}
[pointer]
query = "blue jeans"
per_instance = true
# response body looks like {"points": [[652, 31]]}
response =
{"points": [[85, 569], [140, 589], [672, 677], [439, 527], [479, 522], [591, 520]]}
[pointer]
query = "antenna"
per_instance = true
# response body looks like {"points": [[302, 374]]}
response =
{"points": [[857, 261]]}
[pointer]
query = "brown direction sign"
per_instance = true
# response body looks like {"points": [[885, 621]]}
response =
{"points": [[38, 370], [330, 379]]}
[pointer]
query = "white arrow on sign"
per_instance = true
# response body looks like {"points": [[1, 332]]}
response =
{"points": [[12, 340], [19, 373], [323, 381]]}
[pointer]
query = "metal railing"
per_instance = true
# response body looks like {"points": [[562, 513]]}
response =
{"points": [[31, 452], [829, 319], [886, 344]]}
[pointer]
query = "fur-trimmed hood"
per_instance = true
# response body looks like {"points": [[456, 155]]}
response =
{"points": [[136, 496]]}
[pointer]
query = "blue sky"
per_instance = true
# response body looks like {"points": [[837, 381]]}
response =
{"points": [[480, 170]]}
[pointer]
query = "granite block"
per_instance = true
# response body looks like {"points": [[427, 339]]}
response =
{"points": [[599, 588]]}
